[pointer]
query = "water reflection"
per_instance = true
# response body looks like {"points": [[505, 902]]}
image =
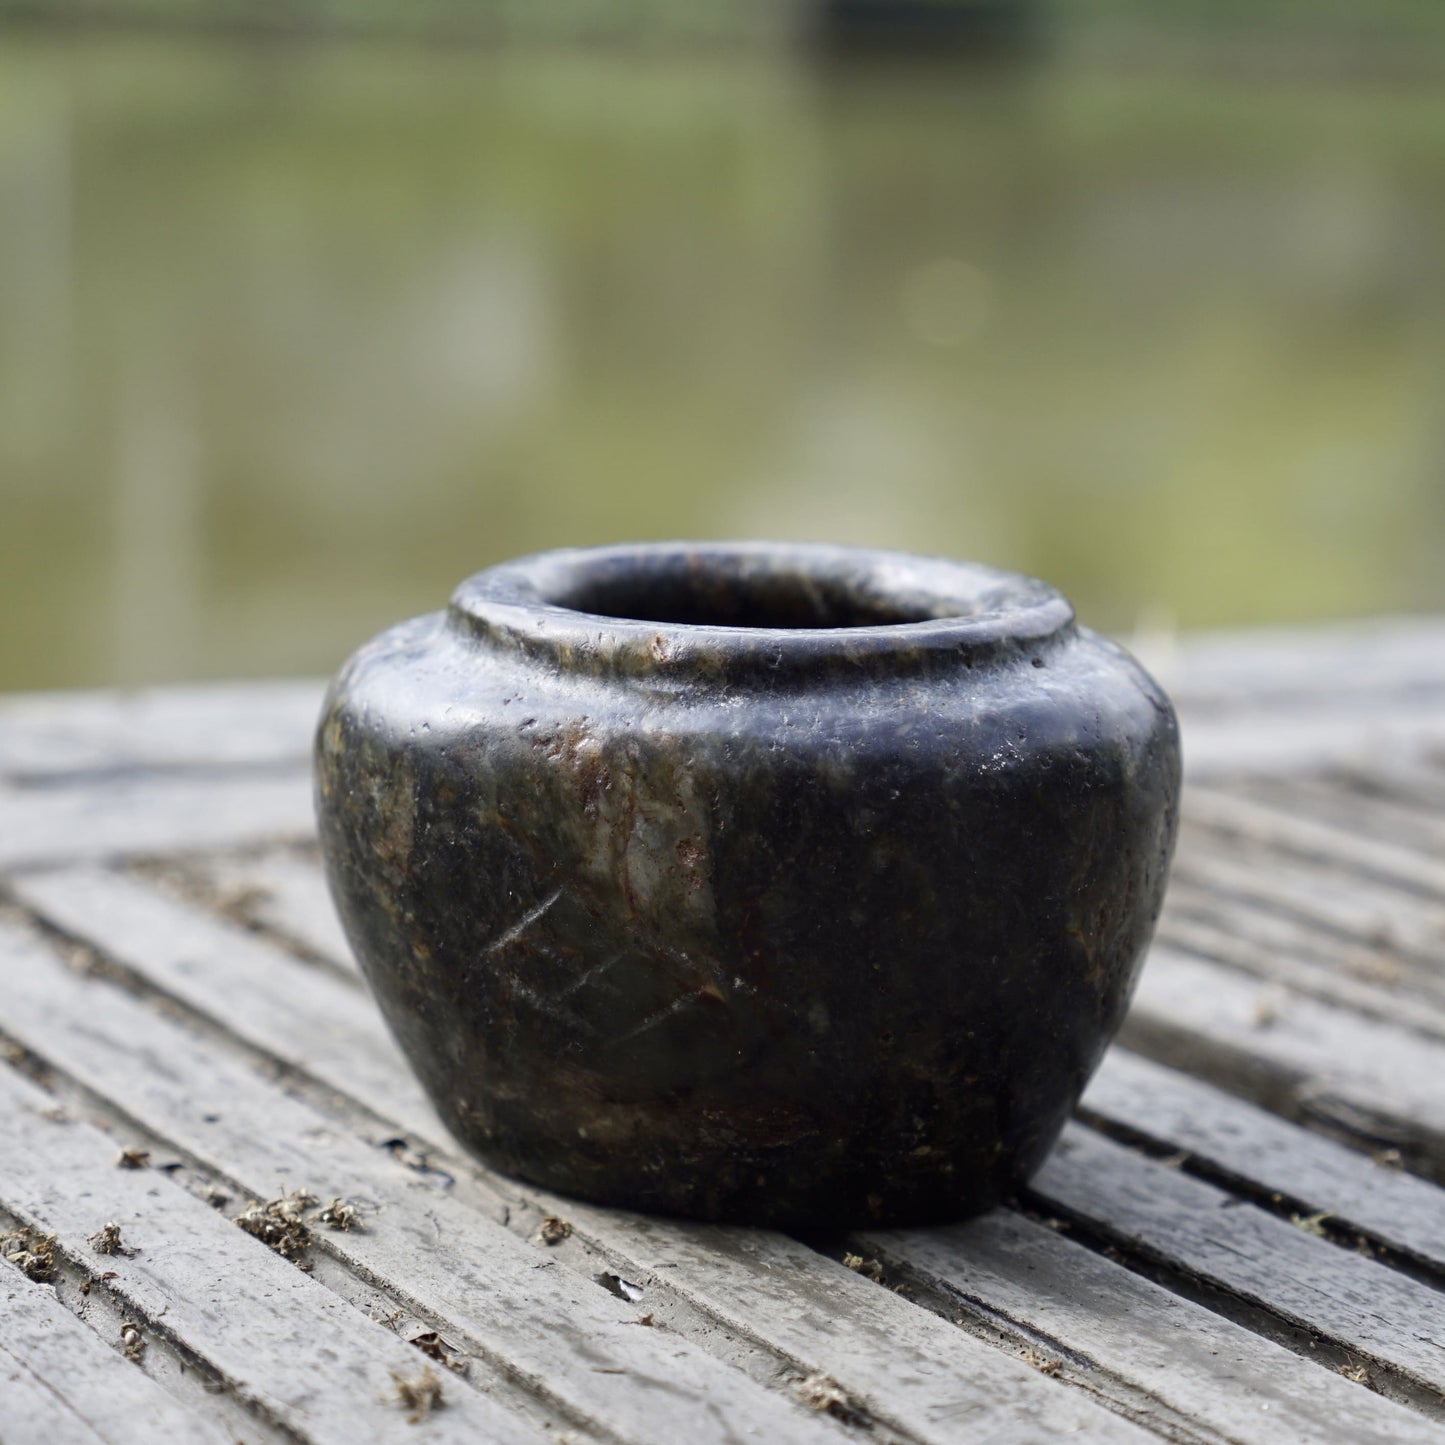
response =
{"points": [[291, 338]]}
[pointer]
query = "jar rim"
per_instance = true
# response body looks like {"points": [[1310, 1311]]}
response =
{"points": [[723, 608]]}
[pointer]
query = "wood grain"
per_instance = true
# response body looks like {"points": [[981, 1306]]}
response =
{"points": [[1255, 1152], [562, 1334], [59, 1382], [1368, 1080], [283, 1343], [1095, 1317], [1288, 1272]]}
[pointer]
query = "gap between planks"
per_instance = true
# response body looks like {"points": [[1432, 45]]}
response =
{"points": [[61, 1383], [278, 955], [1303, 1289], [282, 1343], [1371, 1080], [1326, 1065], [1294, 1171], [441, 1256]]}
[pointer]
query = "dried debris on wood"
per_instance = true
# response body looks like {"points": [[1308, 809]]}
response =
{"points": [[81, 958], [1044, 1364], [342, 1214], [132, 1342], [1268, 1008], [280, 1223], [240, 904], [85, 1284], [31, 1253], [554, 1230], [820, 1392], [437, 1347], [1311, 1223], [107, 1240], [132, 1158], [417, 1160], [868, 1268], [418, 1394], [1355, 1371], [622, 1288], [216, 1198]]}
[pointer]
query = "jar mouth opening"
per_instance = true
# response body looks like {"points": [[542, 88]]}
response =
{"points": [[640, 607], [725, 593]]}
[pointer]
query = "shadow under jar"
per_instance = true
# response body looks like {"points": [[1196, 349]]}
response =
{"points": [[794, 885]]}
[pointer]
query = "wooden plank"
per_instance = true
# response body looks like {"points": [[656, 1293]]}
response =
{"points": [[295, 1351], [904, 1366], [1297, 1056], [1371, 912], [1296, 1136], [1248, 821], [1247, 1148], [1415, 784], [1356, 809], [1372, 661], [1368, 981], [1095, 1317], [1285, 742], [60, 1383], [210, 725], [303, 1016], [107, 1044], [1195, 1229], [136, 816], [492, 1292], [1337, 933], [285, 892]]}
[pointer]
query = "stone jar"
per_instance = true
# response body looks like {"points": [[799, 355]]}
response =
{"points": [[794, 885]]}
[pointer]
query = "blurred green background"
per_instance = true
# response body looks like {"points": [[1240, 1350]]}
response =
{"points": [[297, 330]]}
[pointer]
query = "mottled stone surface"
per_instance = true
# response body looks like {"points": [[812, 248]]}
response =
{"points": [[796, 885]]}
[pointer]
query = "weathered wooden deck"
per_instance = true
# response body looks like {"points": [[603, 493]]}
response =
{"points": [[1241, 1239]]}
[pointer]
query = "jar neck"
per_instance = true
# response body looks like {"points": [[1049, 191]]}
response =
{"points": [[756, 612]]}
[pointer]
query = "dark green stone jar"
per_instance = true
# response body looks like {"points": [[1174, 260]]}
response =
{"points": [[793, 885]]}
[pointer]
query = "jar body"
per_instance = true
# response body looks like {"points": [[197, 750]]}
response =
{"points": [[833, 946]]}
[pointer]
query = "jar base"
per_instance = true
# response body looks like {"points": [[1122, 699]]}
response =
{"points": [[782, 1193]]}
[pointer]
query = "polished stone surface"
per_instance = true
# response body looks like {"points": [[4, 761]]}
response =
{"points": [[795, 885]]}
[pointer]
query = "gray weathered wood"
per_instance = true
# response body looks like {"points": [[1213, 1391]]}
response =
{"points": [[1326, 897], [1363, 979], [1416, 824], [135, 816], [1295, 1055], [304, 1016], [1304, 973], [1315, 662], [1231, 816], [286, 892], [210, 725], [1249, 1147], [561, 1333], [1093, 1315], [59, 1382], [1416, 783], [906, 1366], [1290, 741], [1193, 1227], [277, 1337], [109, 1054]]}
